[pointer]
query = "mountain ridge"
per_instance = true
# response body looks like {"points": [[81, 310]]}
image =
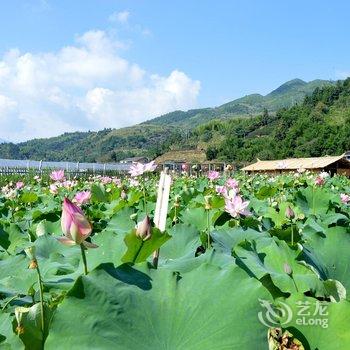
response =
{"points": [[287, 94], [155, 136]]}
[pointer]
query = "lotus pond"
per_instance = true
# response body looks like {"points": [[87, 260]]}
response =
{"points": [[245, 262]]}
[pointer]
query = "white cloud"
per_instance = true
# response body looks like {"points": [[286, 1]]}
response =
{"points": [[121, 17], [88, 85]]}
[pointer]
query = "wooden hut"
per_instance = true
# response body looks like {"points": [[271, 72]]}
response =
{"points": [[332, 164]]}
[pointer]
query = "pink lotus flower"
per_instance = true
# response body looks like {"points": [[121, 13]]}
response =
{"points": [[151, 166], [236, 206], [19, 185], [213, 175], [57, 175], [82, 197], [184, 167], [106, 180], [143, 229], [138, 169], [53, 189], [75, 226], [117, 182], [232, 183], [221, 190], [345, 198], [319, 181]]}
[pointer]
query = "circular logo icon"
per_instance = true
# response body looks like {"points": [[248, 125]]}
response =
{"points": [[277, 314]]}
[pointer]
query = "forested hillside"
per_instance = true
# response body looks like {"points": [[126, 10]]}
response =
{"points": [[318, 126], [286, 95], [241, 130], [107, 145]]}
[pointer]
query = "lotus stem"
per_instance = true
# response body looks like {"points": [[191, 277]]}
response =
{"points": [[138, 252], [156, 258], [41, 291], [84, 258], [295, 285], [208, 228], [144, 198]]}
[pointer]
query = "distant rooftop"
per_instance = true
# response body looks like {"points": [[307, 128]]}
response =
{"points": [[293, 163], [134, 160]]}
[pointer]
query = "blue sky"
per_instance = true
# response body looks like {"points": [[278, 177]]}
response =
{"points": [[78, 65]]}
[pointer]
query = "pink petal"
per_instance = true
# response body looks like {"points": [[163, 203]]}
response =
{"points": [[66, 241]]}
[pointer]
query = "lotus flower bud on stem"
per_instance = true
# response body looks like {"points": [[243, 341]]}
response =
{"points": [[143, 229], [19, 311], [207, 200], [287, 269], [30, 251], [289, 213], [177, 201]]}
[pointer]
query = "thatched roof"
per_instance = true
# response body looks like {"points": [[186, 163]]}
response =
{"points": [[186, 156], [293, 163]]}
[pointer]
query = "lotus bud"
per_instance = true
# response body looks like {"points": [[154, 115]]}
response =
{"points": [[143, 229], [177, 201], [75, 225], [207, 200], [19, 311], [287, 269], [289, 213], [30, 251]]}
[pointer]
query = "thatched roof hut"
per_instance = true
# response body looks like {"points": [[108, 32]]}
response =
{"points": [[332, 164]]}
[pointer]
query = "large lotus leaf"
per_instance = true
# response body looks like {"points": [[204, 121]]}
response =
{"points": [[226, 239], [13, 239], [330, 254], [123, 308], [197, 217], [269, 256], [319, 325], [314, 200], [121, 222], [58, 263], [188, 263], [15, 277], [111, 248], [28, 197], [184, 242], [98, 193]]}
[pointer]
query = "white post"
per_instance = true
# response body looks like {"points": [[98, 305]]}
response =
{"points": [[161, 210]]}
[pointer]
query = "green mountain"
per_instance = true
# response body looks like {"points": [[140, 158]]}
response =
{"points": [[174, 130], [318, 126], [284, 96], [107, 145]]}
